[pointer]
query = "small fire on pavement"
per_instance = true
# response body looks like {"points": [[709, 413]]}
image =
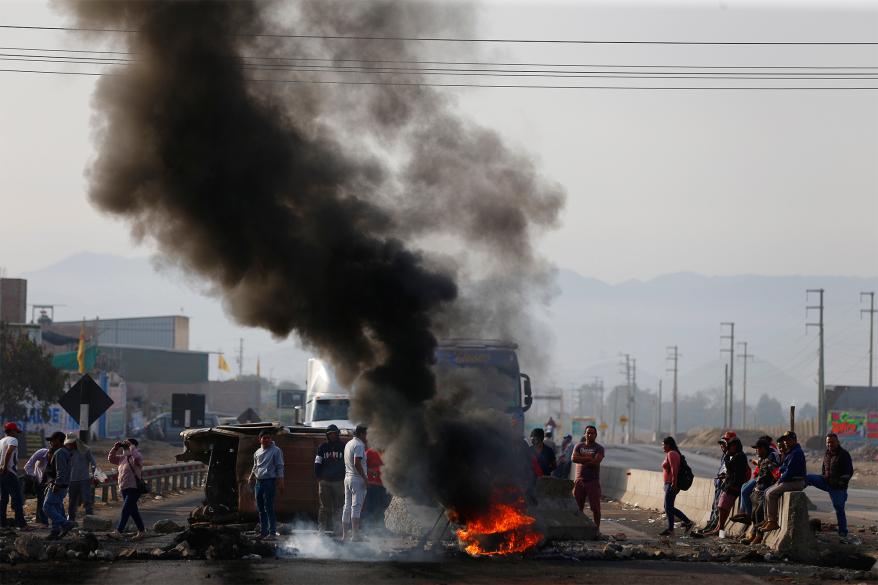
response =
{"points": [[504, 529]]}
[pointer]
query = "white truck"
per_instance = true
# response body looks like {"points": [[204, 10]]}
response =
{"points": [[326, 402]]}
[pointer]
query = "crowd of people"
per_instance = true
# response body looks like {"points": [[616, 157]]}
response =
{"points": [[349, 487], [65, 469], [778, 467]]}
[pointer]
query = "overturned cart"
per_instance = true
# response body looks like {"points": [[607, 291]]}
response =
{"points": [[228, 453]]}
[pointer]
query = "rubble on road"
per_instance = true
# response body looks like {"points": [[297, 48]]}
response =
{"points": [[167, 527]]}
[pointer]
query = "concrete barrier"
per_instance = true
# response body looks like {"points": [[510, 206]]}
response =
{"points": [[646, 489]]}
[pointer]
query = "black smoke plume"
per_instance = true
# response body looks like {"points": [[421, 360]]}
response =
{"points": [[307, 206]]}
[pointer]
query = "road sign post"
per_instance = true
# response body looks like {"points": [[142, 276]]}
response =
{"points": [[85, 402]]}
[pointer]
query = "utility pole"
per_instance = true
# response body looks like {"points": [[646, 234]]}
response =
{"points": [[871, 311], [745, 356], [658, 414], [241, 358], [674, 355], [599, 384], [731, 384], [821, 398], [726, 397], [633, 398], [627, 372]]}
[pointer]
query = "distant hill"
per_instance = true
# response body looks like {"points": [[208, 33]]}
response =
{"points": [[590, 322]]}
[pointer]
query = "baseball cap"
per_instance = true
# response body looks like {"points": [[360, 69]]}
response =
{"points": [[761, 443], [11, 426], [332, 429], [71, 438], [56, 436], [728, 436]]}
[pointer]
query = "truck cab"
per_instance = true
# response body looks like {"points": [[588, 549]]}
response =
{"points": [[326, 401]]}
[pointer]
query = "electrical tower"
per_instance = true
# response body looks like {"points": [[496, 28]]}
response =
{"points": [[731, 386], [821, 381], [633, 398], [745, 356], [627, 371], [871, 312], [241, 358], [674, 356]]}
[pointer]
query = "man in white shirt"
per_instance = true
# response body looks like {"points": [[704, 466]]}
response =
{"points": [[354, 484], [9, 486]]}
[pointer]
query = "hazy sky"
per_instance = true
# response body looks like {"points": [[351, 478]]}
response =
{"points": [[718, 182]]}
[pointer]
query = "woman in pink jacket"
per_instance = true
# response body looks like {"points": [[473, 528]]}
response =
{"points": [[670, 472], [130, 462]]}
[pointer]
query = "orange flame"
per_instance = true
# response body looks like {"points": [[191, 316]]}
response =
{"points": [[514, 529]]}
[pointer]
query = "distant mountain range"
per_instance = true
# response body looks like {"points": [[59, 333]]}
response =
{"points": [[590, 321]]}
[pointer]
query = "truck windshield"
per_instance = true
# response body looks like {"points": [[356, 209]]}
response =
{"points": [[489, 374], [331, 409]]}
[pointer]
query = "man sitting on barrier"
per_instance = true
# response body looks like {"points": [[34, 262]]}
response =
{"points": [[836, 474], [792, 479], [747, 499], [767, 465], [737, 473]]}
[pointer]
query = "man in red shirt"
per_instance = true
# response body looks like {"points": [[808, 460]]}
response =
{"points": [[587, 456], [377, 497]]}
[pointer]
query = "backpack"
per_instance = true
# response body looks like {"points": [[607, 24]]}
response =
{"points": [[685, 477]]}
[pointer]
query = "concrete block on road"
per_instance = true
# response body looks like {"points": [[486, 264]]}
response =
{"points": [[794, 537]]}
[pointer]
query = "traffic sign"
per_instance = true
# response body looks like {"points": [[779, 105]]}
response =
{"points": [[85, 402], [603, 426], [187, 410], [623, 419]]}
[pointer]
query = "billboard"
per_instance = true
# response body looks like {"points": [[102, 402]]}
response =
{"points": [[852, 424]]}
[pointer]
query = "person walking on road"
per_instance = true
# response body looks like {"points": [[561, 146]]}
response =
{"points": [[736, 475], [127, 456], [587, 456], [670, 474], [9, 486], [793, 471], [82, 466], [268, 477], [355, 482], [37, 468], [329, 469], [836, 473], [53, 505]]}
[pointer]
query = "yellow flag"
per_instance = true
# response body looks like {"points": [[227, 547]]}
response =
{"points": [[258, 369], [223, 364], [80, 352]]}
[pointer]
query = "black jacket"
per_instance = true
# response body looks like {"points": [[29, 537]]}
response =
{"points": [[838, 469], [737, 472]]}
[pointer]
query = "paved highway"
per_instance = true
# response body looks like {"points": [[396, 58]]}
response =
{"points": [[862, 505]]}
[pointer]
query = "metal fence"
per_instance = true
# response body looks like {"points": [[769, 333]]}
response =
{"points": [[160, 478]]}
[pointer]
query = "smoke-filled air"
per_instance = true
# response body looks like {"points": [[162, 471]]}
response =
{"points": [[314, 209]]}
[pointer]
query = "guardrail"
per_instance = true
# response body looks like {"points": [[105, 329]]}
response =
{"points": [[160, 478]]}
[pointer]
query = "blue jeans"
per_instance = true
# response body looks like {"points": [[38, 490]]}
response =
{"points": [[745, 503], [838, 497], [265, 489], [10, 488], [129, 509], [41, 497], [53, 506], [670, 511]]}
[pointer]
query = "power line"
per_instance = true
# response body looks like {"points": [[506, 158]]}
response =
{"points": [[545, 73], [510, 73], [497, 85], [474, 39], [467, 63]]}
